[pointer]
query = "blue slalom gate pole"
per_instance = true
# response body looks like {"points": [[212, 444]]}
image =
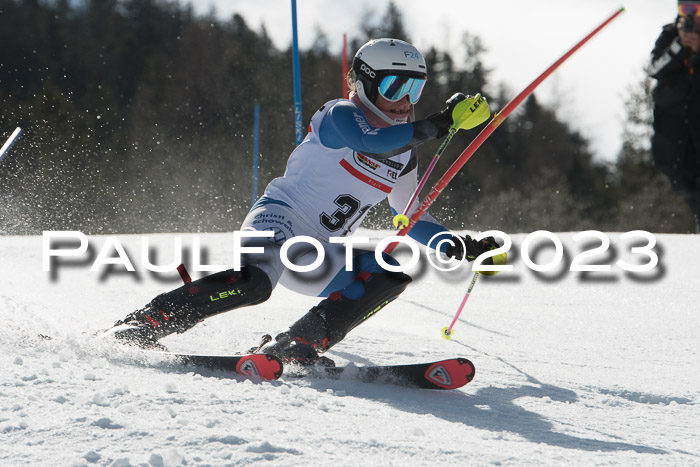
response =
{"points": [[10, 141], [298, 131], [256, 151]]}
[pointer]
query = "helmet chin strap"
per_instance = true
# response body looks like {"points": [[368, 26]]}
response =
{"points": [[359, 87]]}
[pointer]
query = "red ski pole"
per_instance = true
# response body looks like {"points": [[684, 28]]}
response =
{"points": [[486, 132]]}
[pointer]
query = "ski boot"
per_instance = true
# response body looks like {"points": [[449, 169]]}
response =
{"points": [[292, 350]]}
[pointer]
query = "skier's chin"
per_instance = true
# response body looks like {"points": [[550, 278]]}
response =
{"points": [[397, 117]]}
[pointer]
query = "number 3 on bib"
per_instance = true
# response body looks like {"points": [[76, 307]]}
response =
{"points": [[348, 206]]}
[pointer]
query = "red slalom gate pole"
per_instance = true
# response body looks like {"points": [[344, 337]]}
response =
{"points": [[345, 67], [486, 132]]}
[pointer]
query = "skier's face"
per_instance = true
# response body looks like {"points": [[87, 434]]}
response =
{"points": [[684, 19]]}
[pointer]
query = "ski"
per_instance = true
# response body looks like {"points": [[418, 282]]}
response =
{"points": [[452, 373], [253, 366]]}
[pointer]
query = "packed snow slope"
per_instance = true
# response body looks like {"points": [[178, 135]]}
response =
{"points": [[572, 368]]}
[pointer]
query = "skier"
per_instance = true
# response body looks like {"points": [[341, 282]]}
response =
{"points": [[675, 63], [357, 153]]}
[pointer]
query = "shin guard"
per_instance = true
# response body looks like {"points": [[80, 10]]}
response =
{"points": [[184, 307], [329, 322]]}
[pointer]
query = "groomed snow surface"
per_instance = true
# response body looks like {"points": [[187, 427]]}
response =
{"points": [[572, 368]]}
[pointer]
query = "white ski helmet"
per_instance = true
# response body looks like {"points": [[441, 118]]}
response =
{"points": [[398, 61]]}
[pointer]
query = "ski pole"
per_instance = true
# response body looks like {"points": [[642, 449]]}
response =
{"points": [[488, 129], [11, 140], [401, 220], [447, 332]]}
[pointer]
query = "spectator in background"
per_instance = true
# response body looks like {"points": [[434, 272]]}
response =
{"points": [[675, 63]]}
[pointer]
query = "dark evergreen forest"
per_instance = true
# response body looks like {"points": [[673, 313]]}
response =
{"points": [[138, 117]]}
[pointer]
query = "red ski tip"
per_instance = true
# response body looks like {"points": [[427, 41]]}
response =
{"points": [[263, 366], [450, 374]]}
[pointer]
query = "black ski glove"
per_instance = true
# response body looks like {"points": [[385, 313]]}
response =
{"points": [[443, 120], [473, 248]]}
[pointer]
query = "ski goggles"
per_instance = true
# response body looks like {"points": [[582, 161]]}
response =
{"points": [[689, 8], [394, 88]]}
